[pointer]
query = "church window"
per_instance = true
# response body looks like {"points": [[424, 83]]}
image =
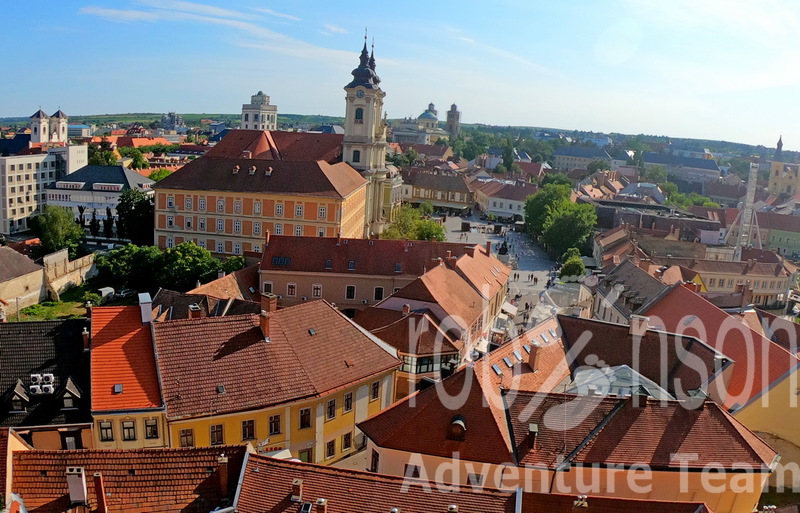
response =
{"points": [[356, 155], [359, 115]]}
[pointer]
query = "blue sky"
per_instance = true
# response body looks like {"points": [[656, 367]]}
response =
{"points": [[718, 69]]}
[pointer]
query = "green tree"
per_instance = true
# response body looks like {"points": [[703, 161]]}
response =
{"points": [[654, 173], [668, 188], [710, 204], [182, 266], [101, 154], [570, 253], [130, 265], [572, 267], [508, 155], [598, 165], [472, 149], [57, 229], [426, 229], [536, 206], [426, 208], [556, 178], [233, 264], [404, 225], [135, 217], [159, 174], [500, 169], [568, 225], [139, 162]]}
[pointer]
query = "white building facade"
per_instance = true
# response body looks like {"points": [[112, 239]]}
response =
{"points": [[259, 114]]}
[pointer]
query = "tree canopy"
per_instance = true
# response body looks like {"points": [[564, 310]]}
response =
{"points": [[57, 229], [409, 225], [536, 206], [556, 178], [597, 165], [135, 213], [568, 225], [159, 174]]}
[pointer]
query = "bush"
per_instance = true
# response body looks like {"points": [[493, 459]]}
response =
{"points": [[93, 297]]}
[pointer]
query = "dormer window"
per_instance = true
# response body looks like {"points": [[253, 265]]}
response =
{"points": [[398, 267], [351, 265], [328, 264], [69, 401]]}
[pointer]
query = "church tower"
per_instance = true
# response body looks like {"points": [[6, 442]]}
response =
{"points": [[364, 143], [40, 127], [58, 127], [453, 121], [779, 150]]}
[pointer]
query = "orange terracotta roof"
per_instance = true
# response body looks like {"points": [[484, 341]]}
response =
{"points": [[241, 284], [135, 481], [564, 503], [415, 333], [138, 142], [122, 354], [313, 348], [759, 362], [267, 485], [278, 145]]}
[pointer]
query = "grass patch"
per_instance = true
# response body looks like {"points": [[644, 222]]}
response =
{"points": [[70, 306]]}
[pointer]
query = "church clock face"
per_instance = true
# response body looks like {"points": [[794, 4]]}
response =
{"points": [[360, 93]]}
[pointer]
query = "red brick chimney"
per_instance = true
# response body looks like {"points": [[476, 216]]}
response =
{"points": [[266, 239], [85, 335], [488, 247], [100, 493], [269, 302], [194, 311], [533, 358], [321, 506], [263, 321], [223, 475]]}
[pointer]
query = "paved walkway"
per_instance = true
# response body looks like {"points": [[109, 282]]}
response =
{"points": [[532, 261]]}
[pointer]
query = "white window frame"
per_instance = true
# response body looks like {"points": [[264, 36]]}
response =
{"points": [[187, 203], [278, 229], [220, 247], [322, 212], [279, 209], [220, 225], [293, 287], [316, 290], [298, 230], [298, 211], [237, 248], [257, 228]]}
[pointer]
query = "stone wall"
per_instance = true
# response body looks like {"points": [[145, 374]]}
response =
{"points": [[61, 273]]}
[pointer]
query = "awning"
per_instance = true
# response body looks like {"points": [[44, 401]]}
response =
{"points": [[509, 309]]}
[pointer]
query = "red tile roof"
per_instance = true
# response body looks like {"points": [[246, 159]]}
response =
{"points": [[276, 145], [371, 256], [242, 284], [122, 353], [138, 142], [415, 333], [429, 150], [313, 348], [758, 362], [301, 178], [267, 486], [138, 480], [562, 503]]}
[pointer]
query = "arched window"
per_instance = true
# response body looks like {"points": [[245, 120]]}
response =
{"points": [[356, 155], [359, 115]]}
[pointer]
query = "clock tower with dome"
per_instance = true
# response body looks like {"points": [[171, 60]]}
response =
{"points": [[364, 144]]}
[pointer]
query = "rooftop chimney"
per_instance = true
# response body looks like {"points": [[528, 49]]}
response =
{"points": [[263, 321], [146, 307], [488, 250], [269, 302], [533, 432], [266, 239], [406, 309], [297, 490], [638, 325], [449, 254], [88, 306], [100, 493], [223, 475], [220, 274], [321, 506], [194, 311], [76, 482], [85, 335], [533, 358]]}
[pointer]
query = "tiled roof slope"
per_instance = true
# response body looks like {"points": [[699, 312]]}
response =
{"points": [[413, 333], [635, 281], [278, 145], [301, 178], [267, 486], [726, 266], [674, 160], [582, 152], [371, 256], [662, 357], [44, 347], [122, 353], [169, 305], [648, 434], [195, 356], [561, 503], [439, 182], [91, 175], [781, 331], [758, 362], [14, 265], [241, 284], [137, 480]]}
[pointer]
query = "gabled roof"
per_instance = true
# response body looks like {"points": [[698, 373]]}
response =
{"points": [[14, 264], [152, 480], [301, 178], [589, 431], [701, 266], [169, 305], [241, 284], [312, 349], [676, 161], [416, 333], [518, 191], [457, 183], [278, 145], [122, 354], [91, 175], [44, 347], [759, 363], [370, 256], [683, 363], [267, 485], [639, 287]]}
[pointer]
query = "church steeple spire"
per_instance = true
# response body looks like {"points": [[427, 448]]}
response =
{"points": [[779, 150], [364, 75], [372, 63]]}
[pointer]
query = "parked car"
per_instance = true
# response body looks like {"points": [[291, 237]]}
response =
{"points": [[126, 293]]}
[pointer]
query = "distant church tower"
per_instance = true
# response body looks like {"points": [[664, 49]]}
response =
{"points": [[40, 127], [779, 150], [58, 127], [364, 144], [453, 121], [259, 114]]}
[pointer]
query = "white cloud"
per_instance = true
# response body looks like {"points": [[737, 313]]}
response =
{"points": [[118, 14], [335, 29], [194, 8], [275, 13]]}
